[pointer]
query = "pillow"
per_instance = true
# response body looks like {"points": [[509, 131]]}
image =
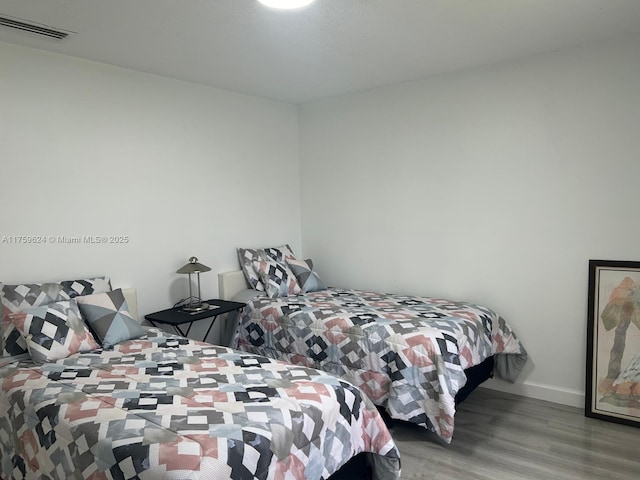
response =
{"points": [[108, 317], [308, 280], [54, 331], [278, 279], [86, 286], [247, 256], [15, 298]]}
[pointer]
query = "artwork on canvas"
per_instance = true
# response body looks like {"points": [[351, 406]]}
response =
{"points": [[613, 342]]}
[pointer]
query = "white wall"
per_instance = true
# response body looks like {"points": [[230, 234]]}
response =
{"points": [[180, 169], [495, 185]]}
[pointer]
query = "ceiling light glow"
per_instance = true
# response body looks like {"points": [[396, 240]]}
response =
{"points": [[286, 4]]}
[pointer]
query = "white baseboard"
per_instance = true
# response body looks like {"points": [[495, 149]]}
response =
{"points": [[564, 396]]}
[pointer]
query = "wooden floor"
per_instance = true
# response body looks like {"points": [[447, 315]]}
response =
{"points": [[500, 436]]}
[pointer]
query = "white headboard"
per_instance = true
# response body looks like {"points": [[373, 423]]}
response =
{"points": [[131, 296], [231, 283]]}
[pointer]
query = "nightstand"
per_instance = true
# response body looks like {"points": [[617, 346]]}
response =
{"points": [[177, 316]]}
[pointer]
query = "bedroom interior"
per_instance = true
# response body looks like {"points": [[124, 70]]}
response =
{"points": [[431, 148]]}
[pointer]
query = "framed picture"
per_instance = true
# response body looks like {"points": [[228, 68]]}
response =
{"points": [[613, 342]]}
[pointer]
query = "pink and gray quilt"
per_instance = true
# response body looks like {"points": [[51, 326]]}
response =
{"points": [[167, 407], [406, 353]]}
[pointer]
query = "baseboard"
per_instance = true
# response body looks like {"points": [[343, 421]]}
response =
{"points": [[564, 396]]}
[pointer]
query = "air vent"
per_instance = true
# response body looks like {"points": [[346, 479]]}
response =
{"points": [[36, 29]]}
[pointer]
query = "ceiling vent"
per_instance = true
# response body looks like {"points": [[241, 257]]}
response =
{"points": [[41, 30]]}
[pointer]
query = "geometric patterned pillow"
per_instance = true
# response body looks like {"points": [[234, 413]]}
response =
{"points": [[86, 286], [54, 331], [277, 278], [308, 279], [15, 298], [246, 257], [108, 317]]}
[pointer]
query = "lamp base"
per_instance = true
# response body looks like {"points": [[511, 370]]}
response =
{"points": [[196, 307]]}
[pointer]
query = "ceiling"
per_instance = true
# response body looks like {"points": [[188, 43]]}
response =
{"points": [[329, 48]]}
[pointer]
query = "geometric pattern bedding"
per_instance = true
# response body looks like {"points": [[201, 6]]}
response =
{"points": [[168, 407], [407, 353], [16, 298]]}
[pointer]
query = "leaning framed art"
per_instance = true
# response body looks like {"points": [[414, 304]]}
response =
{"points": [[613, 342]]}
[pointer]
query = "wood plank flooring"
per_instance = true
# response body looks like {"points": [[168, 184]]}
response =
{"points": [[499, 436]]}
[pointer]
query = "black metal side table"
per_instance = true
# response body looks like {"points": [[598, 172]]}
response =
{"points": [[177, 316]]}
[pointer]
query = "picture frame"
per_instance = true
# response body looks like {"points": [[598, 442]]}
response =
{"points": [[613, 342]]}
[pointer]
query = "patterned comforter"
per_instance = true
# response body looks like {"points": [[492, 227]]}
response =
{"points": [[406, 353], [167, 407]]}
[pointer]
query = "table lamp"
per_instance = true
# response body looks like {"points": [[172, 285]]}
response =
{"points": [[195, 304]]}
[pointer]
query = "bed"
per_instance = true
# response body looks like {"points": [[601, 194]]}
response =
{"points": [[415, 357], [112, 399]]}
